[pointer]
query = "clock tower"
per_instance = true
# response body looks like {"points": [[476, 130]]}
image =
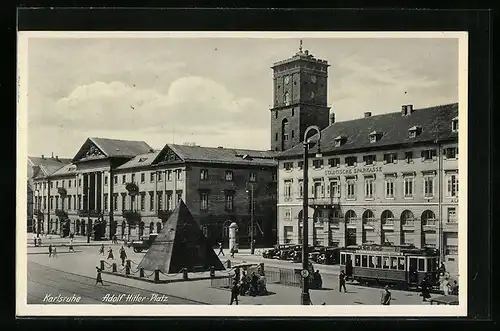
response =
{"points": [[300, 98]]}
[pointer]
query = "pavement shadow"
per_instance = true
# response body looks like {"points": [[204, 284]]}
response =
{"points": [[323, 289]]}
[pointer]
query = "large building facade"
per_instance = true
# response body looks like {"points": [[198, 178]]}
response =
{"points": [[385, 179], [125, 188]]}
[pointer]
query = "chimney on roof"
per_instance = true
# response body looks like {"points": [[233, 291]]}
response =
{"points": [[52, 154], [368, 114], [406, 110], [220, 147], [43, 156], [332, 118]]}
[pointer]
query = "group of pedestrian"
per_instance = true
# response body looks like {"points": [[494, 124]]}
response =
{"points": [[52, 251], [37, 240], [244, 284]]}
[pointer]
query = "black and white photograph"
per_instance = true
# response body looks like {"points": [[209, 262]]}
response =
{"points": [[254, 173]]}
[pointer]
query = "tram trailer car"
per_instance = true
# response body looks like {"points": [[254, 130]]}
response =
{"points": [[404, 266]]}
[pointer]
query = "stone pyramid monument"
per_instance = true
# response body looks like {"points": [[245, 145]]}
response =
{"points": [[180, 244]]}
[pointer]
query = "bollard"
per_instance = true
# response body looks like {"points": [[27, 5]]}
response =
{"points": [[141, 272], [157, 276], [114, 267], [127, 270], [102, 264], [184, 273], [212, 272]]}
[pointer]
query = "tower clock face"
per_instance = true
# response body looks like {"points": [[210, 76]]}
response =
{"points": [[287, 79], [313, 79]]}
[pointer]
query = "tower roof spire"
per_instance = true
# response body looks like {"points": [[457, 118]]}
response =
{"points": [[300, 46]]}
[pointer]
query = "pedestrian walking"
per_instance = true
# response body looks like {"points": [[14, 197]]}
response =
{"points": [[232, 251], [110, 254], [235, 291], [34, 239], [342, 277], [454, 288], [425, 288], [221, 249], [386, 296], [40, 241], [71, 249], [54, 252], [50, 250], [99, 277], [101, 250], [253, 284], [123, 255]]}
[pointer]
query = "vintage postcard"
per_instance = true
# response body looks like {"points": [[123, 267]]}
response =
{"points": [[252, 173]]}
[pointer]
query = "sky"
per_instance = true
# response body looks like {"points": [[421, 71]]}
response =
{"points": [[214, 91]]}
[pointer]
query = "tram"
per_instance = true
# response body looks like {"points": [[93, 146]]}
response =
{"points": [[402, 265]]}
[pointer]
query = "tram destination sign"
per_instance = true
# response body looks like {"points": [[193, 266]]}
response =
{"points": [[354, 171]]}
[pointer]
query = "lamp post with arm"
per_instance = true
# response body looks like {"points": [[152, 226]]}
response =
{"points": [[252, 207], [305, 298]]}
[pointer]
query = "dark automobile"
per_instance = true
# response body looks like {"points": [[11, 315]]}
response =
{"points": [[144, 243], [295, 253], [326, 255], [275, 252]]}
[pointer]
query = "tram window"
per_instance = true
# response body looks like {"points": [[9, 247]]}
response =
{"points": [[342, 259], [372, 261], [386, 263], [433, 264], [378, 262], [401, 264], [364, 261], [357, 261], [394, 262], [421, 265]]}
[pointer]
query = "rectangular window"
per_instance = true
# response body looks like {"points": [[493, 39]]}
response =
{"points": [[351, 189], [169, 176], [204, 201], [378, 262], [151, 201], [300, 165], [452, 215], [229, 175], [409, 157], [285, 137], [452, 187], [454, 125], [105, 201], [317, 164], [394, 262], [288, 165], [421, 264], [386, 264], [124, 201], [428, 154], [143, 177], [390, 158], [357, 260], [79, 202], [389, 188], [276, 138], [124, 179], [105, 181], [115, 202], [115, 179], [69, 183], [334, 162], [364, 261], [169, 201], [160, 200], [57, 202], [351, 161], [152, 177], [133, 178], [451, 153], [143, 201], [179, 174], [179, 196], [301, 188], [335, 189], [252, 177], [429, 187], [51, 184], [288, 189], [369, 187], [369, 159], [229, 202], [74, 203], [204, 174], [408, 187]]}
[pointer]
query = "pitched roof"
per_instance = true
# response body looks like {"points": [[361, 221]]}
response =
{"points": [[224, 155], [68, 169], [434, 121], [47, 165], [115, 147], [140, 160]]}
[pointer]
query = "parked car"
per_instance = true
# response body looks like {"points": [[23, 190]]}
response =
{"points": [[274, 253], [143, 244], [326, 255]]}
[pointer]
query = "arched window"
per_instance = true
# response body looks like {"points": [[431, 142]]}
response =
{"points": [[318, 215], [350, 217], [428, 218], [204, 229], [158, 227], [387, 217], [141, 228], [407, 218], [83, 228], [151, 227], [284, 129], [368, 217]]}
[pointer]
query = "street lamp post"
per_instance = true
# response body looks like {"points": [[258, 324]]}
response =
{"points": [[88, 211], [252, 207], [305, 298]]}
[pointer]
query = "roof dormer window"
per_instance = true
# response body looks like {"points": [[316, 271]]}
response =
{"points": [[414, 131], [340, 140], [375, 136], [454, 124]]}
